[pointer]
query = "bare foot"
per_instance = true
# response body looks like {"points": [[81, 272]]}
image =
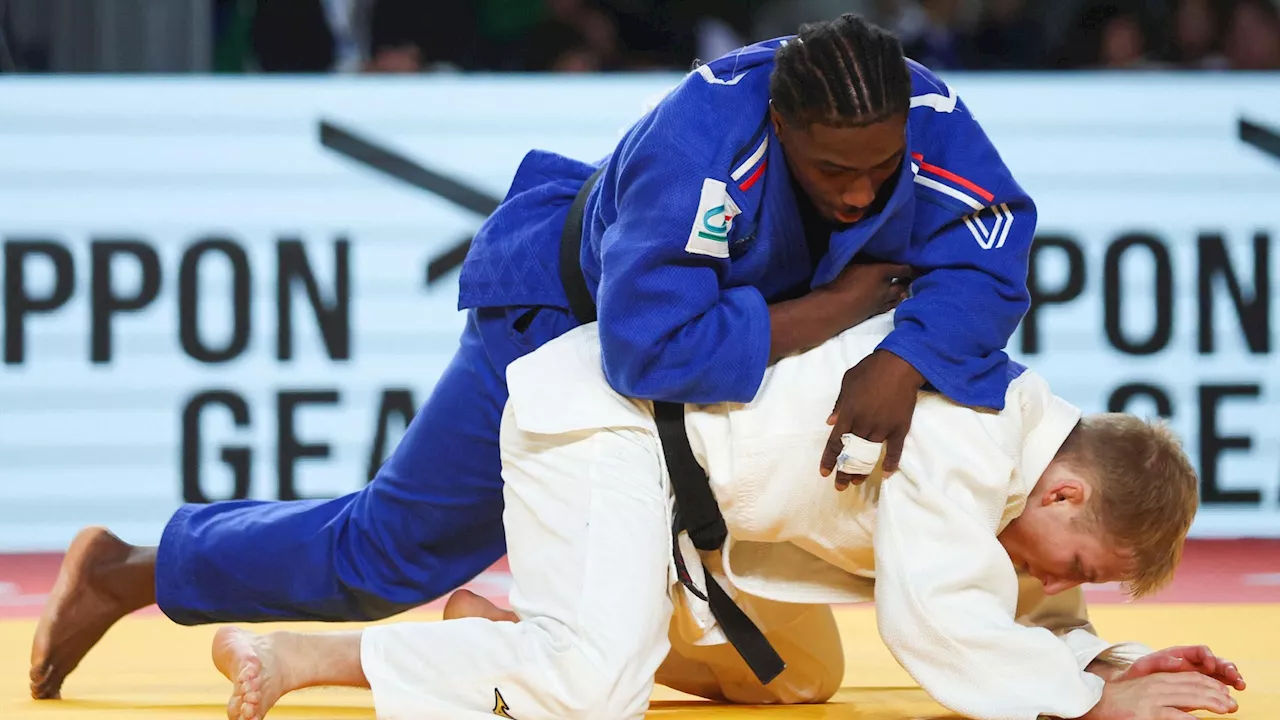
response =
{"points": [[248, 660], [466, 604], [102, 579]]}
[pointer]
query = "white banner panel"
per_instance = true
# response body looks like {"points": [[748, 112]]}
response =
{"points": [[201, 300]]}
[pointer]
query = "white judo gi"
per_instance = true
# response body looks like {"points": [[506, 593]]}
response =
{"points": [[588, 522]]}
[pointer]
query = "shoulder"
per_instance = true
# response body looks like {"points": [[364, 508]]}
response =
{"points": [[933, 102], [718, 113], [956, 166]]}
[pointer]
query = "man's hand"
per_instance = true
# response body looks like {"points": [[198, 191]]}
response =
{"points": [[1187, 658], [876, 403], [1163, 696]]}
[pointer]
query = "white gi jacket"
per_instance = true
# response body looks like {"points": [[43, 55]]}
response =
{"points": [[922, 543]]}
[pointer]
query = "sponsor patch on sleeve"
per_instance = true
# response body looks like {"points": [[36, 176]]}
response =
{"points": [[716, 211]]}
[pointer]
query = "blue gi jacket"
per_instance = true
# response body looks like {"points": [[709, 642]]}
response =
{"points": [[693, 228]]}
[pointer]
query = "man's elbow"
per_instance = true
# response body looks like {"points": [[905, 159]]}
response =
{"points": [[640, 375], [648, 378]]}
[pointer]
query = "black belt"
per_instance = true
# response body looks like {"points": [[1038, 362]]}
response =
{"points": [[696, 509]]}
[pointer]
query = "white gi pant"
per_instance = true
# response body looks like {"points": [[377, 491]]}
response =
{"points": [[589, 543]]}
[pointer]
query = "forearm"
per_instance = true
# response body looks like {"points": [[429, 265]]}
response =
{"points": [[953, 330], [803, 323]]}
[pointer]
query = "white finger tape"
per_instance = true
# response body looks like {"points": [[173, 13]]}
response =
{"points": [[859, 456]]}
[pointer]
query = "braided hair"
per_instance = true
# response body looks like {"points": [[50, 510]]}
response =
{"points": [[840, 73]]}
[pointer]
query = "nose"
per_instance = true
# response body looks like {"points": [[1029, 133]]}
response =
{"points": [[860, 193]]}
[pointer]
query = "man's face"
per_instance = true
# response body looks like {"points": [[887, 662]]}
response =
{"points": [[843, 169], [1055, 542]]}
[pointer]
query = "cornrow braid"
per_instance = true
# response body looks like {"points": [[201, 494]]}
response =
{"points": [[841, 73]]}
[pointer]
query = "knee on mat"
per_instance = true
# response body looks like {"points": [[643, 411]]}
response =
{"points": [[818, 687], [795, 686], [782, 692]]}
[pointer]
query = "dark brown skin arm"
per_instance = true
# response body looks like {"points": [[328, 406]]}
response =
{"points": [[860, 292]]}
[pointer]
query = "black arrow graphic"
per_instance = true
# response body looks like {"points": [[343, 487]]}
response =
{"points": [[399, 167], [1261, 137]]}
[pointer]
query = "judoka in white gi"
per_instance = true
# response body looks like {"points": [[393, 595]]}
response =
{"points": [[973, 551]]}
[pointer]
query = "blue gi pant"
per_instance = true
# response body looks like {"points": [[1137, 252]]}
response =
{"points": [[429, 522]]}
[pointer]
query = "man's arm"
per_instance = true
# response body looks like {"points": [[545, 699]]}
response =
{"points": [[971, 244], [670, 327], [947, 595], [1066, 615], [946, 592]]}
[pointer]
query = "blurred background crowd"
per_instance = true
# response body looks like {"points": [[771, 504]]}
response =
{"points": [[317, 36]]}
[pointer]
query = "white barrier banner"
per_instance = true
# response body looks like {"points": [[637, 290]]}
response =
{"points": [[210, 293]]}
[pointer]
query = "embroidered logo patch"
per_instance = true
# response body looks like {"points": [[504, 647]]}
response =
{"points": [[711, 225]]}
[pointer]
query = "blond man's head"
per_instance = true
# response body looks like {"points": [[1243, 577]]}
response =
{"points": [[1115, 505]]}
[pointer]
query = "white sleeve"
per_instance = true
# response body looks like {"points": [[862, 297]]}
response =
{"points": [[1066, 615], [946, 597]]}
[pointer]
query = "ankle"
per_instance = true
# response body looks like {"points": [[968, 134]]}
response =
{"points": [[131, 581], [289, 661]]}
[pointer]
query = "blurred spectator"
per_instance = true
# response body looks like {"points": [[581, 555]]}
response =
{"points": [[1007, 38], [1253, 36], [410, 36], [1124, 43], [503, 26], [293, 36], [935, 41], [406, 36], [1197, 34], [8, 50], [574, 36], [784, 17], [1110, 35], [659, 34]]}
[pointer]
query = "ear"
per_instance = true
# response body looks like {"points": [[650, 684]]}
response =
{"points": [[776, 118], [1069, 489]]}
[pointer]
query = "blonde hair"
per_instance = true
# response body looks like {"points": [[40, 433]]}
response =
{"points": [[1146, 492]]}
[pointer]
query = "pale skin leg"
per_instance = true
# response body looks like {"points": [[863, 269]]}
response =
{"points": [[264, 668]]}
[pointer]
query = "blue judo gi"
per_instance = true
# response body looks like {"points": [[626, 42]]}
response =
{"points": [[692, 229]]}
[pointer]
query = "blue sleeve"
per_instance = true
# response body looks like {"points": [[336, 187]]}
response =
{"points": [[668, 329], [971, 290]]}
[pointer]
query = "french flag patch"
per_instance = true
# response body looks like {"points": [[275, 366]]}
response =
{"points": [[747, 174], [989, 223]]}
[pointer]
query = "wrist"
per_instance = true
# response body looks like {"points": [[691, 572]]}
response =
{"points": [[1105, 670], [833, 308], [901, 370]]}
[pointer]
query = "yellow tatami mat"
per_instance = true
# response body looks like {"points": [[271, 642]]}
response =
{"points": [[148, 668]]}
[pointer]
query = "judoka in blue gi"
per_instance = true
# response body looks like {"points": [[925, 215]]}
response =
{"points": [[720, 235]]}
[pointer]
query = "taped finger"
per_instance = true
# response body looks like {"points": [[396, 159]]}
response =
{"points": [[858, 456]]}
